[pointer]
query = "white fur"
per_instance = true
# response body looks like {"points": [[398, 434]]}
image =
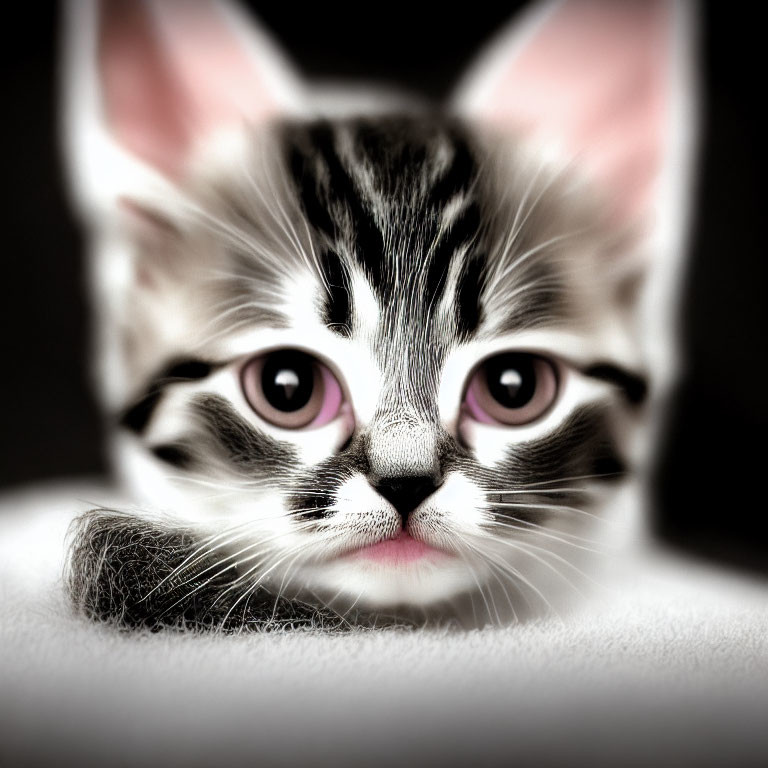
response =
{"points": [[102, 173]]}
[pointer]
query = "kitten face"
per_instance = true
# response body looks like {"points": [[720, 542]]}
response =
{"points": [[407, 472], [386, 359]]}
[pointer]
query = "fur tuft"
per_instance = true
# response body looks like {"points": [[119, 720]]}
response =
{"points": [[130, 572]]}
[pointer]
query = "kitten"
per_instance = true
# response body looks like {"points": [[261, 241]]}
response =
{"points": [[368, 360]]}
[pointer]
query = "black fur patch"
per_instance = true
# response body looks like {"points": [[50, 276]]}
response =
{"points": [[137, 416], [187, 370], [314, 491], [634, 387], [583, 445], [583, 449], [175, 454], [242, 444], [338, 309], [468, 306], [394, 231]]}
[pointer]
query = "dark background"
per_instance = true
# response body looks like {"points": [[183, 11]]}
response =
{"points": [[710, 474]]}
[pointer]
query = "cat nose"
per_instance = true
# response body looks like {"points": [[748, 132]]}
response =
{"points": [[406, 493]]}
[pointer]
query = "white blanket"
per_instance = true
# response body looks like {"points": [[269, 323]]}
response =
{"points": [[670, 669]]}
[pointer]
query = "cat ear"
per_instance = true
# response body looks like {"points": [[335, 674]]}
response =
{"points": [[150, 81], [606, 84], [154, 92], [610, 87]]}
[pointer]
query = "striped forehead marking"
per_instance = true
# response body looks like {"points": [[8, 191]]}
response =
{"points": [[394, 199]]}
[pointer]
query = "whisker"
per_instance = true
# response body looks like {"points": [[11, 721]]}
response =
{"points": [[557, 507], [257, 582], [206, 549], [526, 543], [541, 530], [477, 582], [525, 547], [571, 478], [512, 571]]}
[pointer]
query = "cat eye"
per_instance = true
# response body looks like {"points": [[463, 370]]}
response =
{"points": [[512, 389], [291, 389]]}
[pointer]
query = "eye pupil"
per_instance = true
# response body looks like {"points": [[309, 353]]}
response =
{"points": [[511, 380], [287, 380]]}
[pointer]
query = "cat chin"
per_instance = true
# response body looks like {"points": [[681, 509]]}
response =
{"points": [[445, 593], [366, 584]]}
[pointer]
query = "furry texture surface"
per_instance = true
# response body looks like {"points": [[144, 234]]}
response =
{"points": [[136, 573], [671, 668], [331, 331]]}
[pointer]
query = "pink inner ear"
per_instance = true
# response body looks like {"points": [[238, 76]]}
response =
{"points": [[173, 72], [595, 76]]}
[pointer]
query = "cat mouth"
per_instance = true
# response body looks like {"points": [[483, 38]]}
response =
{"points": [[403, 549]]}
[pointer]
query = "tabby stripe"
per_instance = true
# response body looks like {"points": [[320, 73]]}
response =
{"points": [[244, 446], [462, 233], [369, 240], [584, 446], [137, 416], [326, 185], [308, 186], [323, 481], [338, 309], [459, 176], [633, 386], [468, 292], [175, 454]]}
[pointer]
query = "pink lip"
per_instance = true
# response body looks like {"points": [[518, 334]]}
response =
{"points": [[403, 549]]}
